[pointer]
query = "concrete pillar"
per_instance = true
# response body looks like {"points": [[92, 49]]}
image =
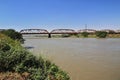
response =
{"points": [[49, 35]]}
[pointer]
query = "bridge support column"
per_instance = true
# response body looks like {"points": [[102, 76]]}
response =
{"points": [[49, 35]]}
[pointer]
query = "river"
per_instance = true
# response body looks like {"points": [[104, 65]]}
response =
{"points": [[82, 58]]}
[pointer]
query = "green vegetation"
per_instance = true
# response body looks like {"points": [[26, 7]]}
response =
{"points": [[101, 34], [65, 35], [16, 59], [89, 35], [74, 35], [13, 34], [85, 34]]}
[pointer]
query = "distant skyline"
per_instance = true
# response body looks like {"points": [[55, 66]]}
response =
{"points": [[56, 14]]}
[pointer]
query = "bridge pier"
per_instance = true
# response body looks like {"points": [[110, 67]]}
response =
{"points": [[49, 35]]}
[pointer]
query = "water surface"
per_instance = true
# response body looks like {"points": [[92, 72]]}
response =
{"points": [[83, 59]]}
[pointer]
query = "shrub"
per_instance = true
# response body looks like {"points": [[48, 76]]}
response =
{"points": [[85, 34], [14, 58], [101, 34], [4, 46], [13, 34], [74, 35], [65, 35]]}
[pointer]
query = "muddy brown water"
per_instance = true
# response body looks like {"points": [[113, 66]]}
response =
{"points": [[83, 59]]}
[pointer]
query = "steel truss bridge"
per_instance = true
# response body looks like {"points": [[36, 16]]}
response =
{"points": [[43, 31]]}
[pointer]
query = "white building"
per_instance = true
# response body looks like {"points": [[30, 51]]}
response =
{"points": [[117, 31], [107, 30], [87, 30]]}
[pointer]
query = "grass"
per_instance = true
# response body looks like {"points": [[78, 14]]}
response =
{"points": [[113, 35]]}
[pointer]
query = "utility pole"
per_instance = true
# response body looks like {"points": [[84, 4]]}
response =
{"points": [[85, 27]]}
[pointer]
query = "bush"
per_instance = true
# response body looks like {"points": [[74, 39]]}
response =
{"points": [[13, 34], [65, 35], [4, 46], [85, 34], [14, 58], [74, 35], [101, 34]]}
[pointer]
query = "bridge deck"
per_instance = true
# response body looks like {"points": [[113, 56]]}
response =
{"points": [[52, 33]]}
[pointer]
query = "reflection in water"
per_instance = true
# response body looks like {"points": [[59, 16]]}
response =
{"points": [[28, 47], [83, 59]]}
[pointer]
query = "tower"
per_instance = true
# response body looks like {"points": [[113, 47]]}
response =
{"points": [[85, 27]]}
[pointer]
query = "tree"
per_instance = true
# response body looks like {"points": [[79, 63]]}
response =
{"points": [[65, 35], [13, 34], [101, 34], [85, 34]]}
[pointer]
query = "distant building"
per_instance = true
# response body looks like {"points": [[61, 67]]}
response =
{"points": [[108, 30], [87, 30], [117, 31]]}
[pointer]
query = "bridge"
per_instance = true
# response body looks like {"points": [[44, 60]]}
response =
{"points": [[43, 31], [61, 31], [34, 31]]}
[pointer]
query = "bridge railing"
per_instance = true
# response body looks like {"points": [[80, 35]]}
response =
{"points": [[62, 31], [33, 31]]}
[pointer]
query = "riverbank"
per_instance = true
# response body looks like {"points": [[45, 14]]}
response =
{"points": [[94, 36], [69, 36], [17, 60]]}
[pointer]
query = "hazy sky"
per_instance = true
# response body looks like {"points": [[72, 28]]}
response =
{"points": [[52, 14]]}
